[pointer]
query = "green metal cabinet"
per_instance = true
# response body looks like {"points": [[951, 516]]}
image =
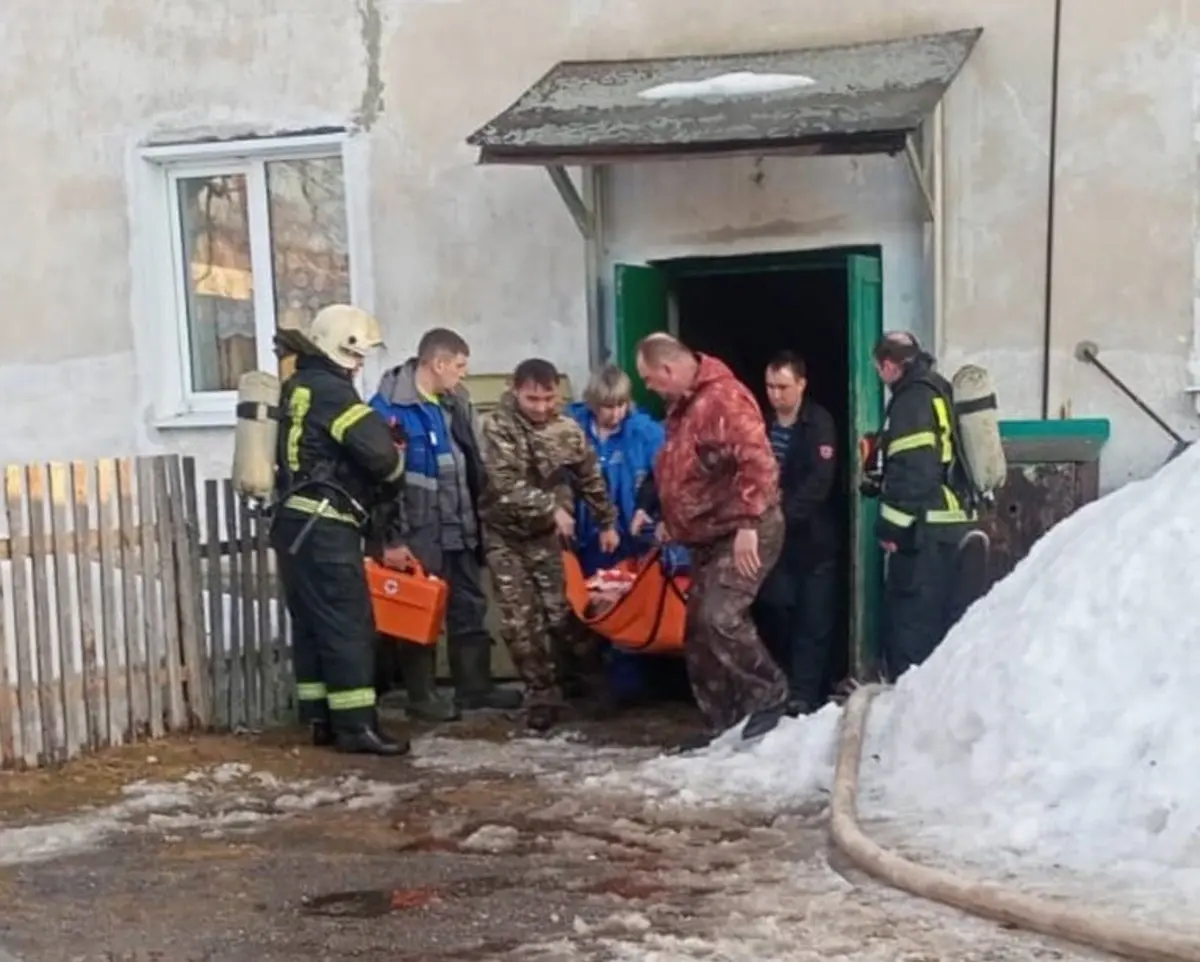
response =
{"points": [[1053, 470]]}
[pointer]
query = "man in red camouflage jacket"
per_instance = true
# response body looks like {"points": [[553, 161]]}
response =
{"points": [[716, 488]]}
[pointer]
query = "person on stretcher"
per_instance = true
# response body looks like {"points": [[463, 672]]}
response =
{"points": [[626, 441]]}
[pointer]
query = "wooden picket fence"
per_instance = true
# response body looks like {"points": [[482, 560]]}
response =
{"points": [[252, 675], [118, 621]]}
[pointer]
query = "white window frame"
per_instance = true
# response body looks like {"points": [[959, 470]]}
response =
{"points": [[165, 328]]}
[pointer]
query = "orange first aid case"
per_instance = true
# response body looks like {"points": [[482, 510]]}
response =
{"points": [[409, 605]]}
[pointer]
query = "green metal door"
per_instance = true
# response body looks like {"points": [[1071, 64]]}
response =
{"points": [[641, 309], [865, 277]]}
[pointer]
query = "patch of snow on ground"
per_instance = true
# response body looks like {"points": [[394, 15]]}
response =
{"points": [[214, 800], [790, 766], [799, 912], [566, 754]]}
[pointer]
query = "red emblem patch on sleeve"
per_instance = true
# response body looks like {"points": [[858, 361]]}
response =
{"points": [[826, 452]]}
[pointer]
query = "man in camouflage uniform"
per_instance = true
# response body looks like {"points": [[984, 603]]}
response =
{"points": [[716, 486], [537, 461]]}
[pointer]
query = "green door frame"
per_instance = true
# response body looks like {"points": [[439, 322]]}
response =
{"points": [[635, 317]]}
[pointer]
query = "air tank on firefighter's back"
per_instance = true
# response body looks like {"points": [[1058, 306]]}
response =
{"points": [[979, 427], [255, 435]]}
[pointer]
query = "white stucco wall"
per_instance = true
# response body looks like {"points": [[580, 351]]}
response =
{"points": [[718, 208], [493, 253]]}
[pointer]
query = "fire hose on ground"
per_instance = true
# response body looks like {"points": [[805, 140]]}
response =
{"points": [[1093, 928]]}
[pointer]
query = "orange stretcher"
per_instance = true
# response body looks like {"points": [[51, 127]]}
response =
{"points": [[409, 605], [649, 618]]}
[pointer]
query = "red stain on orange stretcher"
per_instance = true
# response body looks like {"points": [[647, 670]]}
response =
{"points": [[651, 615]]}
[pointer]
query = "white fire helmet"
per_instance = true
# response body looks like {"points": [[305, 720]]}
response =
{"points": [[345, 334]]}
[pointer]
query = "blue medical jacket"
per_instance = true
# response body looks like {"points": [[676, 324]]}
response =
{"points": [[626, 457]]}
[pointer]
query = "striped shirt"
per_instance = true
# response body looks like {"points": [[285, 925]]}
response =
{"points": [[781, 439]]}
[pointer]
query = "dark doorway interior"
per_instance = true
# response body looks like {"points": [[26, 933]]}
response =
{"points": [[747, 316]]}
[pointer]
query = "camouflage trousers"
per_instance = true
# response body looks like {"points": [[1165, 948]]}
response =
{"points": [[730, 669], [536, 622]]}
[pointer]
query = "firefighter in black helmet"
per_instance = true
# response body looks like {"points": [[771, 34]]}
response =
{"points": [[924, 503], [336, 462]]}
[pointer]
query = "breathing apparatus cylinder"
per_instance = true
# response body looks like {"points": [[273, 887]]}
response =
{"points": [[979, 428], [255, 435]]}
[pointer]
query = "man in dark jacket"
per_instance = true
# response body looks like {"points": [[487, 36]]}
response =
{"points": [[924, 502], [439, 520], [796, 608], [336, 461]]}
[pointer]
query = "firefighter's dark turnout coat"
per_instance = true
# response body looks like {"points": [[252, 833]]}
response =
{"points": [[336, 459], [925, 509]]}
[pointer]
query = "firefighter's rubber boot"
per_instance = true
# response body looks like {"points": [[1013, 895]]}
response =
{"points": [[471, 672], [418, 664]]}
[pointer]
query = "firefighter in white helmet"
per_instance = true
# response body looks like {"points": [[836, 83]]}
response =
{"points": [[337, 461]]}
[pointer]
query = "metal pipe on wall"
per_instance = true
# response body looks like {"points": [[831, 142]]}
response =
{"points": [[939, 232], [1051, 179]]}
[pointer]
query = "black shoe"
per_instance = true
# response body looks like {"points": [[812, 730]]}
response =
{"points": [[694, 743], [797, 707], [322, 734], [494, 699], [762, 721], [541, 718], [371, 741]]}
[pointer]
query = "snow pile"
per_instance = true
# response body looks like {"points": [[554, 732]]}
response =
{"points": [[1059, 718], [1062, 710], [214, 800]]}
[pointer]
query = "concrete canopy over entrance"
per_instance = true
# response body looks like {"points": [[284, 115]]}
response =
{"points": [[864, 98]]}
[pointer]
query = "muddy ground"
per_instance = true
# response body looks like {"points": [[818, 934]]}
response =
{"points": [[443, 856]]}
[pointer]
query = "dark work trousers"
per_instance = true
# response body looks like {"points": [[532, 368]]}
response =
{"points": [[333, 626], [468, 643], [731, 672], [467, 605], [921, 603], [796, 612]]}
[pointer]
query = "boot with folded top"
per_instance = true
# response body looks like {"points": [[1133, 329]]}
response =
{"points": [[418, 664], [471, 671]]}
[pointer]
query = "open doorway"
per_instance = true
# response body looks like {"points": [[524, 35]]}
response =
{"points": [[827, 307]]}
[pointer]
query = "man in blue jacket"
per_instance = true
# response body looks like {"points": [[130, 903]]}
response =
{"points": [[626, 441], [443, 479]]}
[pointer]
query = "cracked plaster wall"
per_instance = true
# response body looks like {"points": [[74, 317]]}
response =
{"points": [[493, 253]]}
